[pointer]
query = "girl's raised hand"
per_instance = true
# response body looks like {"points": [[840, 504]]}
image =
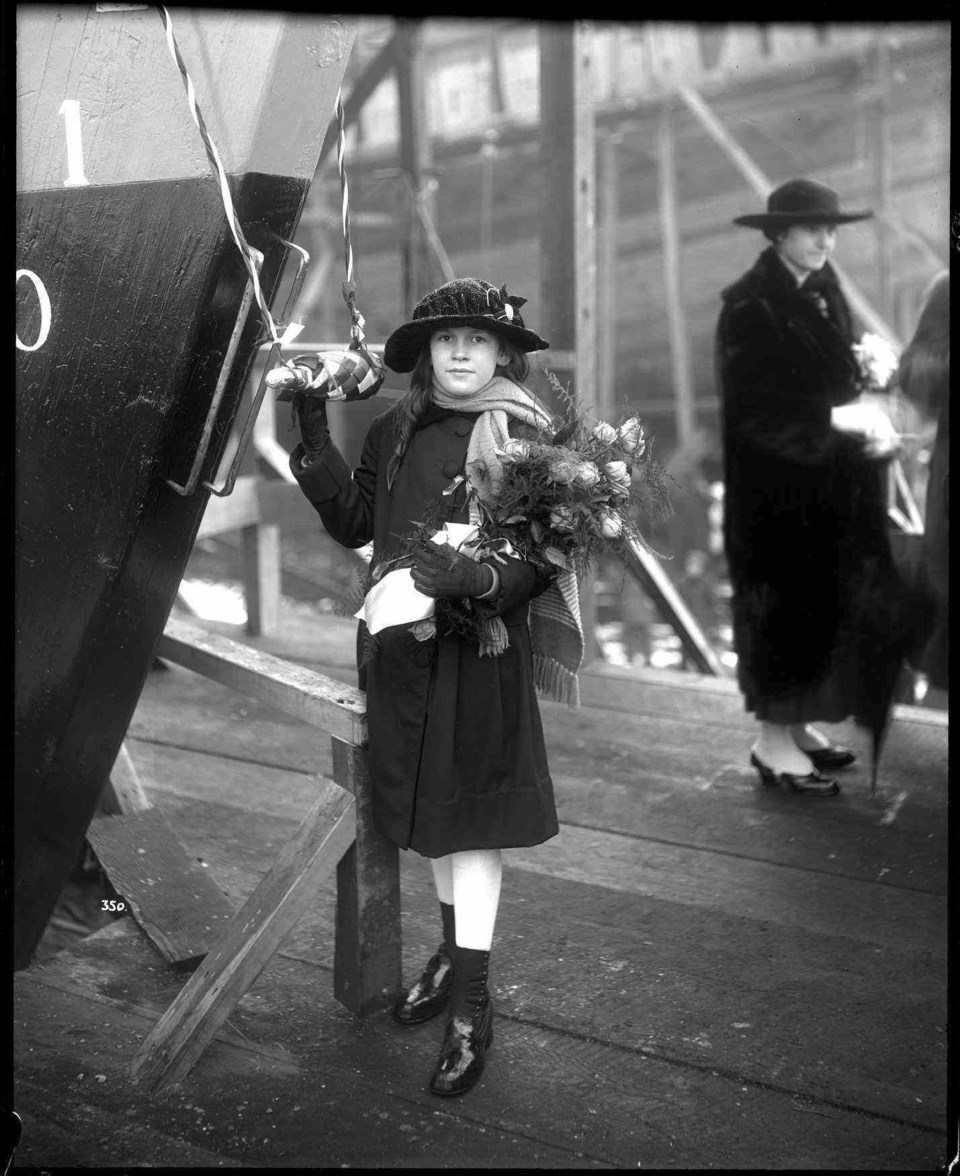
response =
{"points": [[312, 418]]}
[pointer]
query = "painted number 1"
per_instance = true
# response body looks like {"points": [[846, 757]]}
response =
{"points": [[70, 109]]}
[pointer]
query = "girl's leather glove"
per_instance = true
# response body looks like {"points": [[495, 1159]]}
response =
{"points": [[312, 419], [438, 570]]}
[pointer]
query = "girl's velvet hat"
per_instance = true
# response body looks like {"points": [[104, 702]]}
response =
{"points": [[798, 202], [462, 302]]}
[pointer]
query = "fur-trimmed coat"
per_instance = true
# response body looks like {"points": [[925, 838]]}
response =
{"points": [[815, 589]]}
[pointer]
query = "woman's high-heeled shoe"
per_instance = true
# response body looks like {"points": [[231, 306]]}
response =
{"points": [[833, 756], [813, 784], [431, 993]]}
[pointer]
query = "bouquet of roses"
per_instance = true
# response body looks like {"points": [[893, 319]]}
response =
{"points": [[877, 361], [564, 495], [868, 417], [573, 491]]}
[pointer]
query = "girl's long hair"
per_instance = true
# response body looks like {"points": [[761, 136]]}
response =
{"points": [[924, 370], [417, 398]]}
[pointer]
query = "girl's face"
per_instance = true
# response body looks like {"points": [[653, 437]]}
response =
{"points": [[465, 358], [807, 247]]}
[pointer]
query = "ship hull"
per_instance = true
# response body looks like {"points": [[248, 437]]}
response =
{"points": [[114, 379]]}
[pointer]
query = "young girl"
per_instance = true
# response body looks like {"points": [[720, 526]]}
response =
{"points": [[457, 760]]}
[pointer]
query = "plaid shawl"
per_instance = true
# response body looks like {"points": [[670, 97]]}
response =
{"points": [[556, 634]]}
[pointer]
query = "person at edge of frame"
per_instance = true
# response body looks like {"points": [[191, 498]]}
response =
{"points": [[924, 377], [458, 766], [822, 618]]}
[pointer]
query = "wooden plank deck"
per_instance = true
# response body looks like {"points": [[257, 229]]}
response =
{"points": [[695, 973]]}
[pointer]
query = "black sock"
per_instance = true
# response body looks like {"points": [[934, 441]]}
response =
{"points": [[449, 928]]}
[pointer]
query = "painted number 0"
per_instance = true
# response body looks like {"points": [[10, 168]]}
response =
{"points": [[45, 312], [70, 109]]}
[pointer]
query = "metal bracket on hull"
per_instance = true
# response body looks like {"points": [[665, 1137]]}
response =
{"points": [[247, 431], [225, 370], [228, 361]]}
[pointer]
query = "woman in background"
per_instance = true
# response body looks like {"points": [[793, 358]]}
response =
{"points": [[820, 614]]}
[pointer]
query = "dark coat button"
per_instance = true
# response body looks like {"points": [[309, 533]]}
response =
{"points": [[450, 469], [462, 428]]}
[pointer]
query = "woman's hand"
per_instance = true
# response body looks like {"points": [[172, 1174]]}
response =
{"points": [[868, 422], [438, 570]]}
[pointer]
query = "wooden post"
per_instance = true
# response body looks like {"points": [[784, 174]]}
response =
{"points": [[261, 577], [414, 158], [557, 268], [670, 237], [260, 544], [607, 301], [568, 275], [366, 962], [883, 162]]}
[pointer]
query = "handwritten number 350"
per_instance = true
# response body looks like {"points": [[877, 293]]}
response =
{"points": [[70, 109]]}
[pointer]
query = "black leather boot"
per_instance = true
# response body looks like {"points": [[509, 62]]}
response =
{"points": [[430, 994], [469, 1031]]}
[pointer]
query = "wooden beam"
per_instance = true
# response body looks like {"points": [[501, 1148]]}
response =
{"points": [[236, 510], [176, 901], [568, 275], [312, 697], [373, 74], [762, 186], [248, 942], [645, 568], [670, 237], [260, 554], [883, 164], [607, 268], [123, 792], [557, 315], [414, 159], [366, 962]]}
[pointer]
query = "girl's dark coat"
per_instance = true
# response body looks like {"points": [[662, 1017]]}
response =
{"points": [[457, 758], [815, 590]]}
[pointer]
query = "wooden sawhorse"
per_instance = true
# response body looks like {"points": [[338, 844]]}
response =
{"points": [[337, 832]]}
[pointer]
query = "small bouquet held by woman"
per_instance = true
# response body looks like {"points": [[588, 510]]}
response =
{"points": [[876, 362]]}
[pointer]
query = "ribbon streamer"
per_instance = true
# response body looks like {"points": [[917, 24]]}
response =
{"points": [[214, 156], [349, 287]]}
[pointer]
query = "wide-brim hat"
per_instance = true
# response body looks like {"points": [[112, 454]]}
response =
{"points": [[464, 302], [798, 202]]}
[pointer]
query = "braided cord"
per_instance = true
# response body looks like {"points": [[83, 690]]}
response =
{"points": [[214, 156]]}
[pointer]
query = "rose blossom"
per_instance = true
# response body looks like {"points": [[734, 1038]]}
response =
{"points": [[563, 470], [604, 432], [587, 474], [611, 525], [618, 476], [631, 437], [516, 449]]}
